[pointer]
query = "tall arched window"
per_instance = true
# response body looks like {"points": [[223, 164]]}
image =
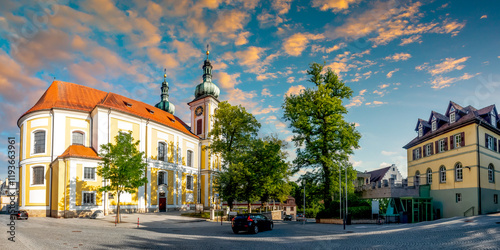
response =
{"points": [[442, 174], [429, 176], [189, 159], [417, 178], [458, 172], [39, 140], [491, 173], [162, 178], [162, 151], [77, 138]]}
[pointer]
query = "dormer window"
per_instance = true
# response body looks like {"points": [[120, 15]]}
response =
{"points": [[420, 130], [493, 119], [434, 125], [452, 117], [127, 104]]}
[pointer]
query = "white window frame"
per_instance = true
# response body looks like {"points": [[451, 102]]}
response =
{"points": [[452, 117], [84, 137], [491, 142], [493, 119], [165, 177], [420, 130], [459, 172], [95, 174], [434, 124], [491, 173], [89, 192], [429, 176], [192, 182], [165, 158], [442, 174], [189, 158], [33, 142], [428, 149], [32, 175], [417, 154], [457, 143], [441, 146]]}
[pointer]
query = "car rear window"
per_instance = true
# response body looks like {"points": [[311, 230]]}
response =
{"points": [[241, 217]]}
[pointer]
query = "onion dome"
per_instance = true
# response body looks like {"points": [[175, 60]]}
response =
{"points": [[164, 104], [207, 88]]}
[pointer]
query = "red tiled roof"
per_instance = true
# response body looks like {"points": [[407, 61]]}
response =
{"points": [[79, 151], [67, 95]]}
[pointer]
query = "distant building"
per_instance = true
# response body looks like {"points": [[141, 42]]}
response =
{"points": [[290, 207], [457, 155], [385, 182]]}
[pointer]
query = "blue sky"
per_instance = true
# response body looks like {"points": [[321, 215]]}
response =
{"points": [[402, 59]]}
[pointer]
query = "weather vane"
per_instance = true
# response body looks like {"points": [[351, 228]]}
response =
{"points": [[165, 73], [208, 52]]}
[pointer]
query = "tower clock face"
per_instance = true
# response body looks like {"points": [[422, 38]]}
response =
{"points": [[198, 111]]}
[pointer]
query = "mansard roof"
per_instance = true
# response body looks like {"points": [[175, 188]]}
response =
{"points": [[66, 95], [468, 114]]}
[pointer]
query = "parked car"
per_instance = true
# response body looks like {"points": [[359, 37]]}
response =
{"points": [[252, 223], [19, 215], [288, 218], [300, 217]]}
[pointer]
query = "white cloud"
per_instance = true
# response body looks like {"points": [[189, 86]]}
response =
{"points": [[295, 44], [443, 82], [294, 90], [389, 75], [484, 16], [266, 92], [398, 57], [449, 64]]}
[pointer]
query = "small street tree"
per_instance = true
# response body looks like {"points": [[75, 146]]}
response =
{"points": [[324, 140], [123, 165]]}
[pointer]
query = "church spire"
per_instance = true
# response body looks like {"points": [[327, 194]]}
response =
{"points": [[164, 104], [207, 87], [164, 87], [207, 68]]}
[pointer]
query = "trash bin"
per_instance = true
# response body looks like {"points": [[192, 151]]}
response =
{"points": [[348, 220]]}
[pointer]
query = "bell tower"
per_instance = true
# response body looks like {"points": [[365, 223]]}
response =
{"points": [[202, 108]]}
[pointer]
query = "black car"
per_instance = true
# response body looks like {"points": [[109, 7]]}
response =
{"points": [[288, 218], [252, 223], [19, 215]]}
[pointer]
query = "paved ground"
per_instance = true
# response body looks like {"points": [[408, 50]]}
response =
{"points": [[160, 231]]}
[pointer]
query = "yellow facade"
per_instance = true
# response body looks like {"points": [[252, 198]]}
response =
{"points": [[33, 127], [70, 128]]}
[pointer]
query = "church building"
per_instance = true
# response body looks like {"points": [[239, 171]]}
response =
{"points": [[62, 134]]}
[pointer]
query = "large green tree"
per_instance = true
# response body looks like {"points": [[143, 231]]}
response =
{"points": [[323, 138], [232, 133], [253, 168], [266, 171], [123, 165]]}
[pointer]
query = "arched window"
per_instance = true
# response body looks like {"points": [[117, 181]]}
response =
{"points": [[458, 172], [77, 138], [491, 173], [442, 174], [429, 176], [39, 142], [417, 178], [189, 159], [162, 151], [162, 178]]}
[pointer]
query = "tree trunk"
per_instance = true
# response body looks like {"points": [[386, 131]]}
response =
{"points": [[249, 207], [327, 195], [118, 209]]}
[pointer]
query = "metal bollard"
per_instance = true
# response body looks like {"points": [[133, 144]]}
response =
{"points": [[137, 222]]}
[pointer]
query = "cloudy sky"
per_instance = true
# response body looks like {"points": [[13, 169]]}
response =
{"points": [[402, 59]]}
